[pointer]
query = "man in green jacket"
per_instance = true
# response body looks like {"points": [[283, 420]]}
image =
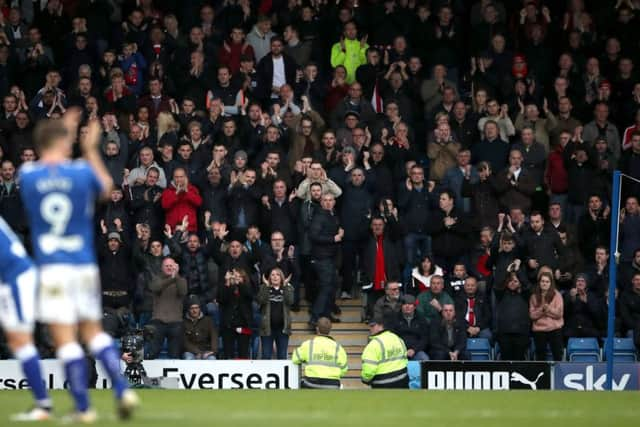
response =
{"points": [[430, 303], [349, 51]]}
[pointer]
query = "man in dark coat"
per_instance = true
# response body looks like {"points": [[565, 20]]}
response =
{"points": [[448, 337], [268, 83], [325, 234], [474, 311], [413, 329]]}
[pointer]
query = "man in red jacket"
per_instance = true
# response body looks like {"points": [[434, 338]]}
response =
{"points": [[181, 199]]}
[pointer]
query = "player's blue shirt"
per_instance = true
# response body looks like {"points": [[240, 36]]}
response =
{"points": [[13, 257], [59, 200]]}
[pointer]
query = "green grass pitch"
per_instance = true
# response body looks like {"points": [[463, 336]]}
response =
{"points": [[257, 408]]}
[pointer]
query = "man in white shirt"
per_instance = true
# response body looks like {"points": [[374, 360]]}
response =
{"points": [[275, 70]]}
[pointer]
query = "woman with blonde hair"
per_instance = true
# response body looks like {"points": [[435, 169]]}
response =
{"points": [[546, 312], [167, 127], [275, 297]]}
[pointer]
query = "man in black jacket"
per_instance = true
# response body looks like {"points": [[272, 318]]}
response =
{"points": [[415, 201], [325, 234], [214, 194], [382, 256], [357, 204], [194, 266], [450, 230], [244, 202], [145, 202], [540, 245], [630, 309], [413, 329], [448, 337], [269, 82], [280, 211], [307, 212], [474, 310], [117, 282]]}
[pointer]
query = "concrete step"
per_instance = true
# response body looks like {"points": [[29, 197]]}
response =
{"points": [[355, 302], [335, 328], [353, 384], [349, 314], [346, 339]]}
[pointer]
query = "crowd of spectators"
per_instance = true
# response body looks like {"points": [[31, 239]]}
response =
{"points": [[451, 158]]}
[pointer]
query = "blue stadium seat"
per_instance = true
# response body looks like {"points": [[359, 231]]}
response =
{"points": [[479, 348], [496, 352], [583, 350], [623, 350]]}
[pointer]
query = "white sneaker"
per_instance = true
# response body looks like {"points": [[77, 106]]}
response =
{"points": [[345, 295], [127, 404], [87, 417], [34, 414]]}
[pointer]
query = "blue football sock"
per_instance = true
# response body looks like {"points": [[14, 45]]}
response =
{"points": [[30, 360], [102, 348], [75, 369]]}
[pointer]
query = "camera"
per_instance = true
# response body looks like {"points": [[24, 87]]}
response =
{"points": [[133, 343]]}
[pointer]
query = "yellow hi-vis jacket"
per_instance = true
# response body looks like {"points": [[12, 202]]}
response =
{"points": [[385, 353], [353, 56], [324, 358]]}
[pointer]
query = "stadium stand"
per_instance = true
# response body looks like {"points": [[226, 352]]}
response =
{"points": [[456, 139]]}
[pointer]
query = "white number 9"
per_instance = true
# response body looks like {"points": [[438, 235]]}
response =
{"points": [[56, 209]]}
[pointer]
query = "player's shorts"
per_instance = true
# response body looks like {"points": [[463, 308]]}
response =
{"points": [[17, 302], [69, 293]]}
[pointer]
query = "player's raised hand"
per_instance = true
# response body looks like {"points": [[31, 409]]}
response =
{"points": [[71, 121], [92, 140]]}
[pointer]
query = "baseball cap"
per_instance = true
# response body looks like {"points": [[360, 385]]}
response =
{"points": [[376, 320]]}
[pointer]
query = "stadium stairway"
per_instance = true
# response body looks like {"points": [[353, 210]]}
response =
{"points": [[350, 332]]}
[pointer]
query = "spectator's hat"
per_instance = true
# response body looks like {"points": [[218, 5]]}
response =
{"points": [[240, 154], [408, 299], [352, 113], [376, 320], [114, 235], [193, 300], [605, 84]]}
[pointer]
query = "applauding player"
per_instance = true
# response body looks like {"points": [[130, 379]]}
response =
{"points": [[59, 195]]}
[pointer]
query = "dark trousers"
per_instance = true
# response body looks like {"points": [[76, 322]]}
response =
{"points": [[326, 273], [513, 346], [282, 342], [309, 279], [173, 332], [400, 383], [553, 338], [231, 339], [351, 251]]}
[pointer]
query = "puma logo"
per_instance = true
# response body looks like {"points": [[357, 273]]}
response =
{"points": [[517, 377]]}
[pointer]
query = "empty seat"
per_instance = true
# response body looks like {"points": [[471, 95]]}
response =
{"points": [[623, 350], [479, 348], [583, 350]]}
